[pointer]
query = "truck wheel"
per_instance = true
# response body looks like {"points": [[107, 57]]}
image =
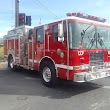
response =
{"points": [[11, 64], [48, 74]]}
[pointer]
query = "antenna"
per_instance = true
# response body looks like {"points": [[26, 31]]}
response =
{"points": [[40, 21]]}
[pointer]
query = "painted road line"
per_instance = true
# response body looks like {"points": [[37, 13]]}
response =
{"points": [[106, 87]]}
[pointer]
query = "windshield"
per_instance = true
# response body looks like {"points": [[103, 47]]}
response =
{"points": [[88, 36], [103, 37]]}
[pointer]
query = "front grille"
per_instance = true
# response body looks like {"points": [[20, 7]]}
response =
{"points": [[97, 59]]}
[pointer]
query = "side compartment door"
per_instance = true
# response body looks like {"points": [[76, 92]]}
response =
{"points": [[38, 45]]}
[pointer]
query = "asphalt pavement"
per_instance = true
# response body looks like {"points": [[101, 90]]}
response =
{"points": [[24, 91]]}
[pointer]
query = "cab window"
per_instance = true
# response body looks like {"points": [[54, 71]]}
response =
{"points": [[40, 35], [55, 32], [65, 30]]}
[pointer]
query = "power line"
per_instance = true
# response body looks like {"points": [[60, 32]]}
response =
{"points": [[45, 8]]}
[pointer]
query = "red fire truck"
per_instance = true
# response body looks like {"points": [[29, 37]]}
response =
{"points": [[75, 48]]}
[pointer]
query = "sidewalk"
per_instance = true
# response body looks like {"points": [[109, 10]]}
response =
{"points": [[3, 65]]}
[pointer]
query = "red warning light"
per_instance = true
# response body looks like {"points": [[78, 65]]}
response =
{"points": [[21, 17], [86, 16]]}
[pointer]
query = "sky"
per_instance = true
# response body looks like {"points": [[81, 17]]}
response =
{"points": [[49, 10]]}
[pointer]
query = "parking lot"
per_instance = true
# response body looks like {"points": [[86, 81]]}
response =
{"points": [[24, 91]]}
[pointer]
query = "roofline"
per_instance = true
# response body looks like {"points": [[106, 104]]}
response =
{"points": [[22, 26], [76, 18], [66, 18], [88, 20]]}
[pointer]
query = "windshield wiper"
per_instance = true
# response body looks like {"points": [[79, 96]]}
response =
{"points": [[83, 33], [92, 42], [100, 41]]}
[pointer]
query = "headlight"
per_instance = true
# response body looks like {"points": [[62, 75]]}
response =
{"points": [[84, 67], [107, 64], [93, 68]]}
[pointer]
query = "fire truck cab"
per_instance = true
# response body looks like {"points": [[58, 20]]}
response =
{"points": [[75, 48]]}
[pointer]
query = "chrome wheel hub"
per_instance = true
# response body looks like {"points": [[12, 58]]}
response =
{"points": [[47, 74], [11, 64]]}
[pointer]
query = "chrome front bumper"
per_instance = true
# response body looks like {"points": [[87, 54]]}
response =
{"points": [[89, 76]]}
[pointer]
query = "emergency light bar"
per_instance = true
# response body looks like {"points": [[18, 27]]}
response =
{"points": [[86, 16]]}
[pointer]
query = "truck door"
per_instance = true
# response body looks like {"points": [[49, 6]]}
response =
{"points": [[59, 49], [38, 45]]}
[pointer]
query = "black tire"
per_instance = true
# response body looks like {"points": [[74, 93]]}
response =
{"points": [[11, 63], [47, 68]]}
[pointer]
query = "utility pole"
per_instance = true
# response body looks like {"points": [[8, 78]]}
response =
{"points": [[17, 13]]}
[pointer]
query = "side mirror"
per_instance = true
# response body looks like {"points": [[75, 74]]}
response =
{"points": [[60, 30]]}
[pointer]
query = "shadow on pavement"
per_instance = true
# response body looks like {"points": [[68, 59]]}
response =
{"points": [[29, 83]]}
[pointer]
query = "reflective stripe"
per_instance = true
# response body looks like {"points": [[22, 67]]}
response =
{"points": [[64, 66], [35, 61], [5, 55], [57, 65], [16, 57]]}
